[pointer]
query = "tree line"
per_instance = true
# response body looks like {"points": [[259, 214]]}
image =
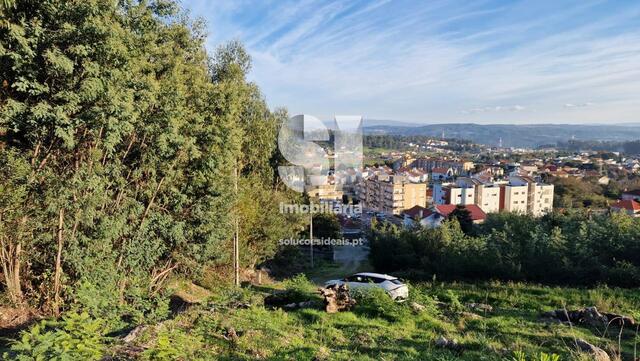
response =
{"points": [[628, 147], [573, 248], [127, 154]]}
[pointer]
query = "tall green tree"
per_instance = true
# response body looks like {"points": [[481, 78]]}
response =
{"points": [[130, 148]]}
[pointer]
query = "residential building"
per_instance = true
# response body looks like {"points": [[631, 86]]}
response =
{"points": [[518, 195], [631, 195], [630, 207], [434, 216], [440, 174], [392, 193]]}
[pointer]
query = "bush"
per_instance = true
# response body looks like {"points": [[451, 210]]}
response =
{"points": [[99, 303], [173, 345], [300, 289], [453, 302], [76, 337], [376, 302]]}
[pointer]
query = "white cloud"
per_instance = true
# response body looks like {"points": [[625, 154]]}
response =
{"points": [[420, 61], [580, 105], [497, 108]]}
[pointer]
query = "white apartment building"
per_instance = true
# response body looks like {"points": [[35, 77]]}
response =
{"points": [[488, 198], [515, 198], [518, 195], [451, 193]]}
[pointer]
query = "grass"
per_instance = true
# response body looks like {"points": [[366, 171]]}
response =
{"points": [[388, 331]]}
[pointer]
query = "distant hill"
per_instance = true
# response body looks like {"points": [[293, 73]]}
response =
{"points": [[516, 135]]}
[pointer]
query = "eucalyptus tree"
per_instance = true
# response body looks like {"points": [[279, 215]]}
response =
{"points": [[129, 148]]}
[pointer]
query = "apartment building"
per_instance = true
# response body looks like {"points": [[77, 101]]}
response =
{"points": [[391, 193], [518, 195], [514, 198], [538, 196]]}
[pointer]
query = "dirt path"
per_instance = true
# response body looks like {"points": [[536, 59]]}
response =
{"points": [[347, 260]]}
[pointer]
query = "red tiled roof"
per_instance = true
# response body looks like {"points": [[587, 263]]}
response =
{"points": [[414, 212], [629, 205], [477, 214]]}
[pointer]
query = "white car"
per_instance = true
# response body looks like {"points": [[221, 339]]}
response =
{"points": [[394, 287]]}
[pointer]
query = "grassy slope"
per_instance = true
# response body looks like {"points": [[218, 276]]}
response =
{"points": [[358, 335]]}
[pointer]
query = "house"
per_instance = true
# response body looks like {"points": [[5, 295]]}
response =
{"points": [[434, 216], [631, 195], [422, 215], [630, 207], [476, 213], [441, 173]]}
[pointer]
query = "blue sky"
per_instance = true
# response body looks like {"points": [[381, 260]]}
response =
{"points": [[440, 61]]}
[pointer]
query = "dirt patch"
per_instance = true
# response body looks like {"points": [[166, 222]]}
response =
{"points": [[14, 320]]}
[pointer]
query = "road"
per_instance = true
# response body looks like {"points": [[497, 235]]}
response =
{"points": [[351, 259]]}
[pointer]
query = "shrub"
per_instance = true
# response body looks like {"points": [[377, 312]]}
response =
{"points": [[75, 337], [173, 345], [375, 302], [299, 288], [521, 356]]}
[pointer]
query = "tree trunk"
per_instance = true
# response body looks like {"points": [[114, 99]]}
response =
{"points": [[11, 265], [236, 237], [10, 258], [58, 270]]}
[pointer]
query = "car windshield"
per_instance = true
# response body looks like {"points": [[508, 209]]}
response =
{"points": [[396, 281]]}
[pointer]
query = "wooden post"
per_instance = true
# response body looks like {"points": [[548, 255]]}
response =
{"points": [[236, 241], [58, 269], [311, 237]]}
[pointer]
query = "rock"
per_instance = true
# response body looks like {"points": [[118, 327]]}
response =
{"points": [[588, 316], [471, 316], [416, 307], [297, 305], [597, 353], [591, 317], [479, 307], [442, 342], [134, 334], [337, 299], [231, 335], [620, 320], [448, 344]]}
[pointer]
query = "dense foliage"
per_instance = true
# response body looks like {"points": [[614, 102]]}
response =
{"points": [[127, 154], [573, 248]]}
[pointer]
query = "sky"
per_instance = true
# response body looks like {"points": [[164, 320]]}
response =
{"points": [[533, 62]]}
